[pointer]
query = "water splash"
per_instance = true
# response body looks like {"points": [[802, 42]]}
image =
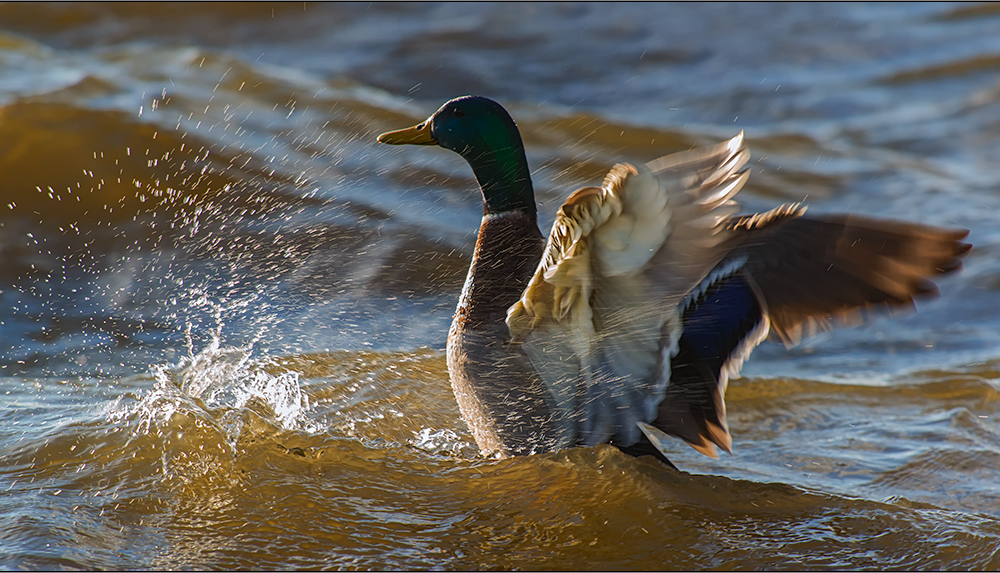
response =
{"points": [[224, 388], [442, 441]]}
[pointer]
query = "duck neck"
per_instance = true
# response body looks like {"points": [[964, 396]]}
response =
{"points": [[503, 176], [508, 250], [509, 246]]}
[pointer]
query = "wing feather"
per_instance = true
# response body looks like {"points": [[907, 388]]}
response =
{"points": [[818, 272], [600, 318]]}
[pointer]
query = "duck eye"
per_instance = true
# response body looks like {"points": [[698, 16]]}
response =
{"points": [[458, 113]]}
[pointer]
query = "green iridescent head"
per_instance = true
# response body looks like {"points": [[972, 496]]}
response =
{"points": [[481, 131]]}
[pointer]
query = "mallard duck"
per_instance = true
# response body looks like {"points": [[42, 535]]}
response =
{"points": [[625, 326]]}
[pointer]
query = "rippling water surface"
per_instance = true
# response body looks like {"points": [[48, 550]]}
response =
{"points": [[224, 306]]}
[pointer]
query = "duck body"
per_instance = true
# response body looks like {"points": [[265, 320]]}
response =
{"points": [[625, 325], [492, 381]]}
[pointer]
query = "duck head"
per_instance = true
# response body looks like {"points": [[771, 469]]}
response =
{"points": [[483, 133]]}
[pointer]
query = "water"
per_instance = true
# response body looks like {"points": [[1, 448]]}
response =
{"points": [[224, 306]]}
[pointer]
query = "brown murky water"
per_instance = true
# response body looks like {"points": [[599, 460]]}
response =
{"points": [[223, 305]]}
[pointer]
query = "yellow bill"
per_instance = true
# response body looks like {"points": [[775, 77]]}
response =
{"points": [[416, 135]]}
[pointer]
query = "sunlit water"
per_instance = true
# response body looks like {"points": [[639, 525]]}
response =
{"points": [[223, 305]]}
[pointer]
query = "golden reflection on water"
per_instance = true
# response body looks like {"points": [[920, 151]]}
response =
{"points": [[372, 499], [222, 316]]}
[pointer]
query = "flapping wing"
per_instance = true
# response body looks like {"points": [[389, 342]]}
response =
{"points": [[601, 317], [791, 275], [818, 272]]}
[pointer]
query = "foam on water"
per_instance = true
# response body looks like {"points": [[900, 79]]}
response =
{"points": [[225, 387]]}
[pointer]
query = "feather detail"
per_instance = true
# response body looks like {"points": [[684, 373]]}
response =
{"points": [[723, 321], [600, 318], [789, 275], [815, 273]]}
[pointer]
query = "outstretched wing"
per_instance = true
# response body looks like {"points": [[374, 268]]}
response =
{"points": [[601, 318], [831, 270], [791, 275]]}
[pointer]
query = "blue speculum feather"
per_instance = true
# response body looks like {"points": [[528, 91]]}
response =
{"points": [[716, 323]]}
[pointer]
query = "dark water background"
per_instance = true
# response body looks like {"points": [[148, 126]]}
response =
{"points": [[223, 306]]}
